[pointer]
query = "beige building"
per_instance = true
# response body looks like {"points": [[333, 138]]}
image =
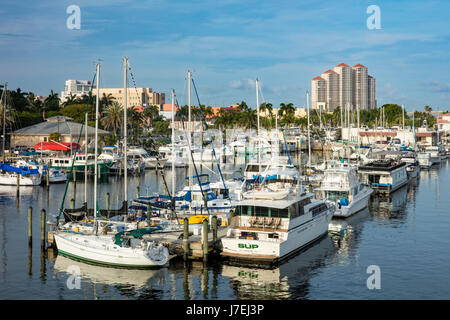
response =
{"points": [[333, 89], [372, 102], [318, 93], [360, 87], [135, 96], [344, 86]]}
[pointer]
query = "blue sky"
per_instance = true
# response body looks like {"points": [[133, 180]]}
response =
{"points": [[227, 44]]}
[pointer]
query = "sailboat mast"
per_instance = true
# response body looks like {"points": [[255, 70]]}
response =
{"points": [[96, 141], [173, 145], [309, 135], [85, 162], [5, 89], [125, 138], [189, 75], [257, 112]]}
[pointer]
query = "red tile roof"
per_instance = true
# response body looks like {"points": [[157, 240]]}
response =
{"points": [[342, 65], [359, 66], [329, 71], [318, 78]]}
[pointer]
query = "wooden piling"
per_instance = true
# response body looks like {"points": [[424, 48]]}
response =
{"points": [[186, 239], [108, 197], [30, 225], [137, 191], [43, 215], [205, 240], [47, 178], [72, 203], [18, 184], [214, 229]]}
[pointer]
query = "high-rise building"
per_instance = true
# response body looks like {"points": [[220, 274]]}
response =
{"points": [[319, 93], [344, 86], [333, 90], [360, 87], [372, 102]]}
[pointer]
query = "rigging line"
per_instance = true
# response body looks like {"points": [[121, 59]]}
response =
{"points": [[214, 152], [75, 154], [205, 200]]}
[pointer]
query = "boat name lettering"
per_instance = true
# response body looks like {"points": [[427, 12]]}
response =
{"points": [[247, 246]]}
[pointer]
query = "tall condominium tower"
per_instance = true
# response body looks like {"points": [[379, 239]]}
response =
{"points": [[332, 90], [319, 93], [360, 86], [371, 101], [343, 86]]}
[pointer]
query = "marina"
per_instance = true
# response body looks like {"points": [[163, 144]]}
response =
{"points": [[339, 259], [225, 150]]}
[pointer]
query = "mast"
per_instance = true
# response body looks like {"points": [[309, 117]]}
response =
{"points": [[85, 162], [173, 145], [189, 75], [96, 142], [4, 119], [257, 133], [309, 135], [125, 156]]}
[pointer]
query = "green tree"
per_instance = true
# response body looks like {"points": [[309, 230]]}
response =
{"points": [[112, 118]]}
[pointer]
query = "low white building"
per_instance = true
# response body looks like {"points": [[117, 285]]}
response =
{"points": [[77, 88]]}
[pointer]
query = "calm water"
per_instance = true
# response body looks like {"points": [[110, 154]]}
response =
{"points": [[406, 235]]}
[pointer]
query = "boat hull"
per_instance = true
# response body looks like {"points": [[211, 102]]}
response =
{"points": [[355, 206], [274, 252], [70, 245]]}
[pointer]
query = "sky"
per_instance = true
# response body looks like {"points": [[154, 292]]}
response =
{"points": [[227, 44]]}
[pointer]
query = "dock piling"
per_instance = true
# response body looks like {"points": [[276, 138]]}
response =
{"points": [[108, 197], [30, 225], [214, 228], [186, 239], [205, 240], [72, 203], [43, 215]]}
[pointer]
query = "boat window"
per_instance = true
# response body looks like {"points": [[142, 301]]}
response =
{"points": [[279, 213], [319, 209], [336, 195], [261, 211]]}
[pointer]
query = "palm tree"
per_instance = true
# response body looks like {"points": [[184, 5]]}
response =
{"points": [[136, 119], [428, 109], [287, 112], [151, 113], [70, 100], [107, 100], [248, 118], [113, 117], [266, 107]]}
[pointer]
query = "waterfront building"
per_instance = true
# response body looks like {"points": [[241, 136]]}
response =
{"points": [[40, 132]]}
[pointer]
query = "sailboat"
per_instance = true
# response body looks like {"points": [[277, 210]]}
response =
{"points": [[129, 249]]}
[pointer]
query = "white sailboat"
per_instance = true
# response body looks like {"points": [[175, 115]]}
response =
{"points": [[129, 249]]}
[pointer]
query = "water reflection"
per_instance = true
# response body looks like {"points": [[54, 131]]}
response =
{"points": [[346, 233], [135, 283], [288, 281], [391, 205]]}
